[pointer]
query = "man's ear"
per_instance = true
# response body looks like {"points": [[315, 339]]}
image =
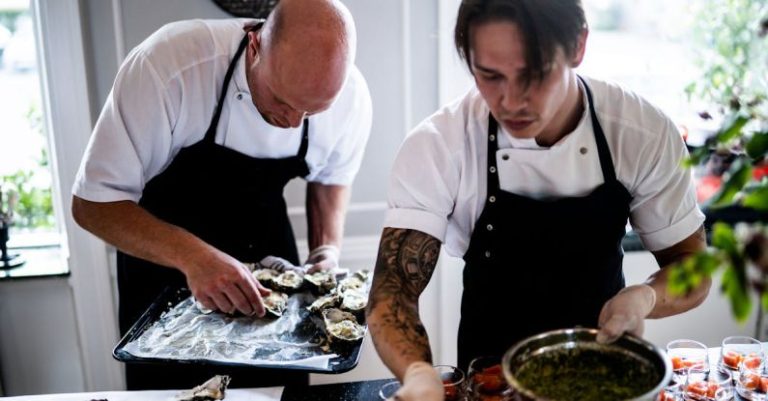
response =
{"points": [[581, 47], [254, 45]]}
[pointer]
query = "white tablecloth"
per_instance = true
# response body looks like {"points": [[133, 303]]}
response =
{"points": [[256, 394]]}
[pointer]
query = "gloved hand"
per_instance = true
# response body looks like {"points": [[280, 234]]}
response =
{"points": [[323, 258], [420, 383], [277, 264], [626, 312]]}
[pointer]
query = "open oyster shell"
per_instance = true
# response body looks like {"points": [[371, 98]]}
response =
{"points": [[354, 301], [213, 389], [266, 276], [288, 281], [342, 327], [324, 302], [276, 303], [322, 282]]}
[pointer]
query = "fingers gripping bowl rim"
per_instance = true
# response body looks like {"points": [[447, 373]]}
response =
{"points": [[577, 342]]}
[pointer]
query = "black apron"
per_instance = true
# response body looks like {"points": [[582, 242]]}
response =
{"points": [[233, 202], [537, 265]]}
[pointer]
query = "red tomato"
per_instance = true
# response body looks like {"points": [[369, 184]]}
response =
{"points": [[698, 388], [752, 361], [712, 389], [764, 384], [677, 363], [750, 381], [732, 359]]}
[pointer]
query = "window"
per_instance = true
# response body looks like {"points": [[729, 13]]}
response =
{"points": [[26, 179]]}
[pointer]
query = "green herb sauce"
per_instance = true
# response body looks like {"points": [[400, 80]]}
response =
{"points": [[583, 374]]}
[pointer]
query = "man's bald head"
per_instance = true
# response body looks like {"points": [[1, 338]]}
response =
{"points": [[302, 53]]}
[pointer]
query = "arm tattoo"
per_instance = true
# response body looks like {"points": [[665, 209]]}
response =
{"points": [[405, 264]]}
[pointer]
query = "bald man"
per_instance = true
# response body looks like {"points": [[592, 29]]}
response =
{"points": [[184, 173]]}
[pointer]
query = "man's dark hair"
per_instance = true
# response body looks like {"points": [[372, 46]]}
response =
{"points": [[544, 25]]}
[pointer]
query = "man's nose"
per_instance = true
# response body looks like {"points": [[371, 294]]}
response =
{"points": [[514, 96], [295, 117]]}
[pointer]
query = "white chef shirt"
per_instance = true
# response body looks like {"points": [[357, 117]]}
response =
{"points": [[438, 182], [164, 98]]}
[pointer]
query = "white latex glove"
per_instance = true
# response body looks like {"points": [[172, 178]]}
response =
{"points": [[277, 264], [420, 383], [323, 258], [626, 312]]}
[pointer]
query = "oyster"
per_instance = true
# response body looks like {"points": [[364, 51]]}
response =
{"points": [[354, 301], [342, 327], [288, 281], [276, 303], [213, 389], [363, 275], [350, 283], [265, 276], [324, 302], [321, 281]]}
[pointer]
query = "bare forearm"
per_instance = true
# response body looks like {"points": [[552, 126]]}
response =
{"points": [[326, 209], [668, 304], [136, 232], [406, 261]]}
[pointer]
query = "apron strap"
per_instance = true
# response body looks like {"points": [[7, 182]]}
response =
{"points": [[304, 140], [210, 135], [603, 151]]}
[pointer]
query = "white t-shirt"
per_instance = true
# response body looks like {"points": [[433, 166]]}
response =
{"points": [[438, 183], [164, 98]]}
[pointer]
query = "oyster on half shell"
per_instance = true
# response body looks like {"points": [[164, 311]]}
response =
{"points": [[289, 281], [213, 389], [324, 302], [342, 327], [276, 303], [322, 281]]}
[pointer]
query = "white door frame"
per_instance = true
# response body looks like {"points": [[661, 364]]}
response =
{"points": [[68, 123]]}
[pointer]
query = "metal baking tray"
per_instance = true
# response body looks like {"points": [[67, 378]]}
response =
{"points": [[345, 360]]}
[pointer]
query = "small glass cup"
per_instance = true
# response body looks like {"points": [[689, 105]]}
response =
{"points": [[701, 385], [388, 390], [752, 382], [736, 349], [671, 392], [453, 381], [485, 380], [685, 354]]}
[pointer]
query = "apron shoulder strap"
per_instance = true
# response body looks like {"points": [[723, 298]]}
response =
{"points": [[606, 162], [210, 134]]}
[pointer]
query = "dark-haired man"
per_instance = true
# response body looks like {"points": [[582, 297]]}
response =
{"points": [[531, 177], [206, 123]]}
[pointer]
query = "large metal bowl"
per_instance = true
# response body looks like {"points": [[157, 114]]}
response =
{"points": [[583, 338]]}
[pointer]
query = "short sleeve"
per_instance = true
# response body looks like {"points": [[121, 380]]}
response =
{"points": [[423, 184], [664, 210], [352, 114], [131, 141]]}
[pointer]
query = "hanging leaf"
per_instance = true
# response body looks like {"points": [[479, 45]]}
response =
{"points": [[738, 175], [732, 128], [757, 199], [688, 274], [735, 288], [757, 146], [723, 237], [696, 157], [764, 300]]}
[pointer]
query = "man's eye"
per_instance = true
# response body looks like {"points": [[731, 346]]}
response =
{"points": [[490, 77]]}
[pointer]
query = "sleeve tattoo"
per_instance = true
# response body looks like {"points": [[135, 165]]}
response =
{"points": [[406, 261]]}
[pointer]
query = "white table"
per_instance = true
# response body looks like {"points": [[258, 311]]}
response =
{"points": [[255, 394]]}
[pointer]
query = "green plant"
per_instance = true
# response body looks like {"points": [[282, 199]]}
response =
{"points": [[34, 208], [735, 82]]}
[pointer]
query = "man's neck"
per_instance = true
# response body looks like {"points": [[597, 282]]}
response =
{"points": [[564, 122]]}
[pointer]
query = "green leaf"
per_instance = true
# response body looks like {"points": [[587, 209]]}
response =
{"points": [[758, 199], [757, 145], [696, 157], [724, 238], [688, 274], [734, 286], [764, 300], [738, 175], [732, 128]]}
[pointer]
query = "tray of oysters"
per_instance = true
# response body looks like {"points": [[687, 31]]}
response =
{"points": [[314, 322]]}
